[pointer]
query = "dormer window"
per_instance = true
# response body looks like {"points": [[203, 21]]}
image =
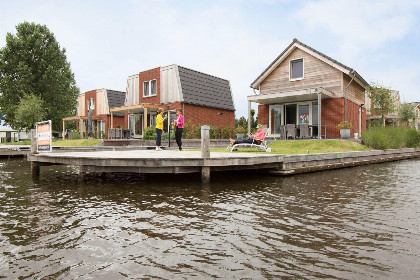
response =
{"points": [[149, 88], [296, 69]]}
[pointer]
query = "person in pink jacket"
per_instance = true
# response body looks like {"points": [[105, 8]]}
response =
{"points": [[179, 127], [256, 138]]}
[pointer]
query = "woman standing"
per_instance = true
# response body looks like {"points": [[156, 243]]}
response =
{"points": [[179, 126], [159, 128]]}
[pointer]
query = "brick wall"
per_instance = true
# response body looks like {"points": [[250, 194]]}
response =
{"points": [[263, 115], [88, 95], [152, 74], [208, 116], [333, 113]]}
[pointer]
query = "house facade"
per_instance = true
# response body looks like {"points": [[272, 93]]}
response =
{"points": [[205, 99], [390, 119], [100, 102], [302, 85]]}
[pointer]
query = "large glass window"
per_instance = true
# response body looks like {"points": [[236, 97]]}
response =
{"points": [[314, 113], [296, 69], [303, 114], [275, 120]]}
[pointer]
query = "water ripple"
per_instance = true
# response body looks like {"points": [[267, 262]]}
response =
{"points": [[353, 223]]}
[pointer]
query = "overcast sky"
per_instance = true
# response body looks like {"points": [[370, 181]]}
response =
{"points": [[106, 41]]}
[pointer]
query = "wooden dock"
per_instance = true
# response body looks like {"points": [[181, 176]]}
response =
{"points": [[151, 161], [8, 151]]}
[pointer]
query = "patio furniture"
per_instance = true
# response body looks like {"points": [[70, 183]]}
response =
{"points": [[304, 131], [283, 132], [111, 133], [291, 131], [126, 133], [262, 146]]}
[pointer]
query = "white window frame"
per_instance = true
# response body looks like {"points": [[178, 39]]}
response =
{"points": [[290, 69], [91, 103], [150, 88], [270, 107]]}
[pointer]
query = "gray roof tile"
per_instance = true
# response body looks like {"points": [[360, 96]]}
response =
{"points": [[115, 99], [205, 90]]}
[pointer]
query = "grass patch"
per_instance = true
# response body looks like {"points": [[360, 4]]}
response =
{"points": [[64, 143], [76, 142], [295, 147]]}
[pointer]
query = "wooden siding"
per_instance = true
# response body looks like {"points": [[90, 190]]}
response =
{"points": [[101, 105], [316, 74], [170, 85], [81, 105], [132, 91], [355, 92]]}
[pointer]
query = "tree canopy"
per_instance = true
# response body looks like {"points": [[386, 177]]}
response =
{"points": [[29, 111], [382, 102], [33, 64], [406, 113]]}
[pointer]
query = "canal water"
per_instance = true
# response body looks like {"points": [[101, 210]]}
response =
{"points": [[354, 223]]}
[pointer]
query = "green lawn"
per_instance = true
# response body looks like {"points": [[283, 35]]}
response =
{"points": [[294, 147], [64, 143]]}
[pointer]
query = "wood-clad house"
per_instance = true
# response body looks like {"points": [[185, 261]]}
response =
{"points": [[205, 99], [100, 101], [304, 85]]}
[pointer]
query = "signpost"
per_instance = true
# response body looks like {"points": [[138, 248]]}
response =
{"points": [[43, 136]]}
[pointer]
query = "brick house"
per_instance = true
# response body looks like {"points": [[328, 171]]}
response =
{"points": [[390, 119], [205, 99], [304, 85], [101, 101]]}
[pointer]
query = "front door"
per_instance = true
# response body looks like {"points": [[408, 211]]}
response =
{"points": [[290, 113], [136, 125]]}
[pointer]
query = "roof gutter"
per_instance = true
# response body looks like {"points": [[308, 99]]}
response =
{"points": [[345, 94]]}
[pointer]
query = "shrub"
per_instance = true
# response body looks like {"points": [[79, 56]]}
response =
{"points": [[391, 138], [240, 129], [75, 135], [149, 133], [344, 125], [412, 138]]}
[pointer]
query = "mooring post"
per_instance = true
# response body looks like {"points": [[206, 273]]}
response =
{"points": [[82, 173], [34, 165], [205, 152]]}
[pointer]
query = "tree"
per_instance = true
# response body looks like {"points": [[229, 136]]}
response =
{"points": [[242, 121], [32, 63], [406, 113], [381, 99], [29, 111]]}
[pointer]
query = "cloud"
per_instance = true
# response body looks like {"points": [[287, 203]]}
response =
{"points": [[359, 24]]}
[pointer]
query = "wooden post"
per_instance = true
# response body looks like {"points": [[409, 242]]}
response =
{"points": [[112, 119], [35, 170], [205, 152], [249, 117], [319, 116], [145, 117], [82, 173], [64, 129]]}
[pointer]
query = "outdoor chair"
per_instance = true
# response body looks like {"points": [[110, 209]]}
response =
{"points": [[291, 131], [262, 146], [304, 131], [111, 133], [283, 132]]}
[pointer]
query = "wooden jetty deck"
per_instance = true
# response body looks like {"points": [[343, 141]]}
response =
{"points": [[151, 161], [14, 151]]}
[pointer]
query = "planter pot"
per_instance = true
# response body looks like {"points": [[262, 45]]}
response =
{"points": [[345, 133], [239, 135]]}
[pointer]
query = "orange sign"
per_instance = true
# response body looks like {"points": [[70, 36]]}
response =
{"points": [[43, 136]]}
